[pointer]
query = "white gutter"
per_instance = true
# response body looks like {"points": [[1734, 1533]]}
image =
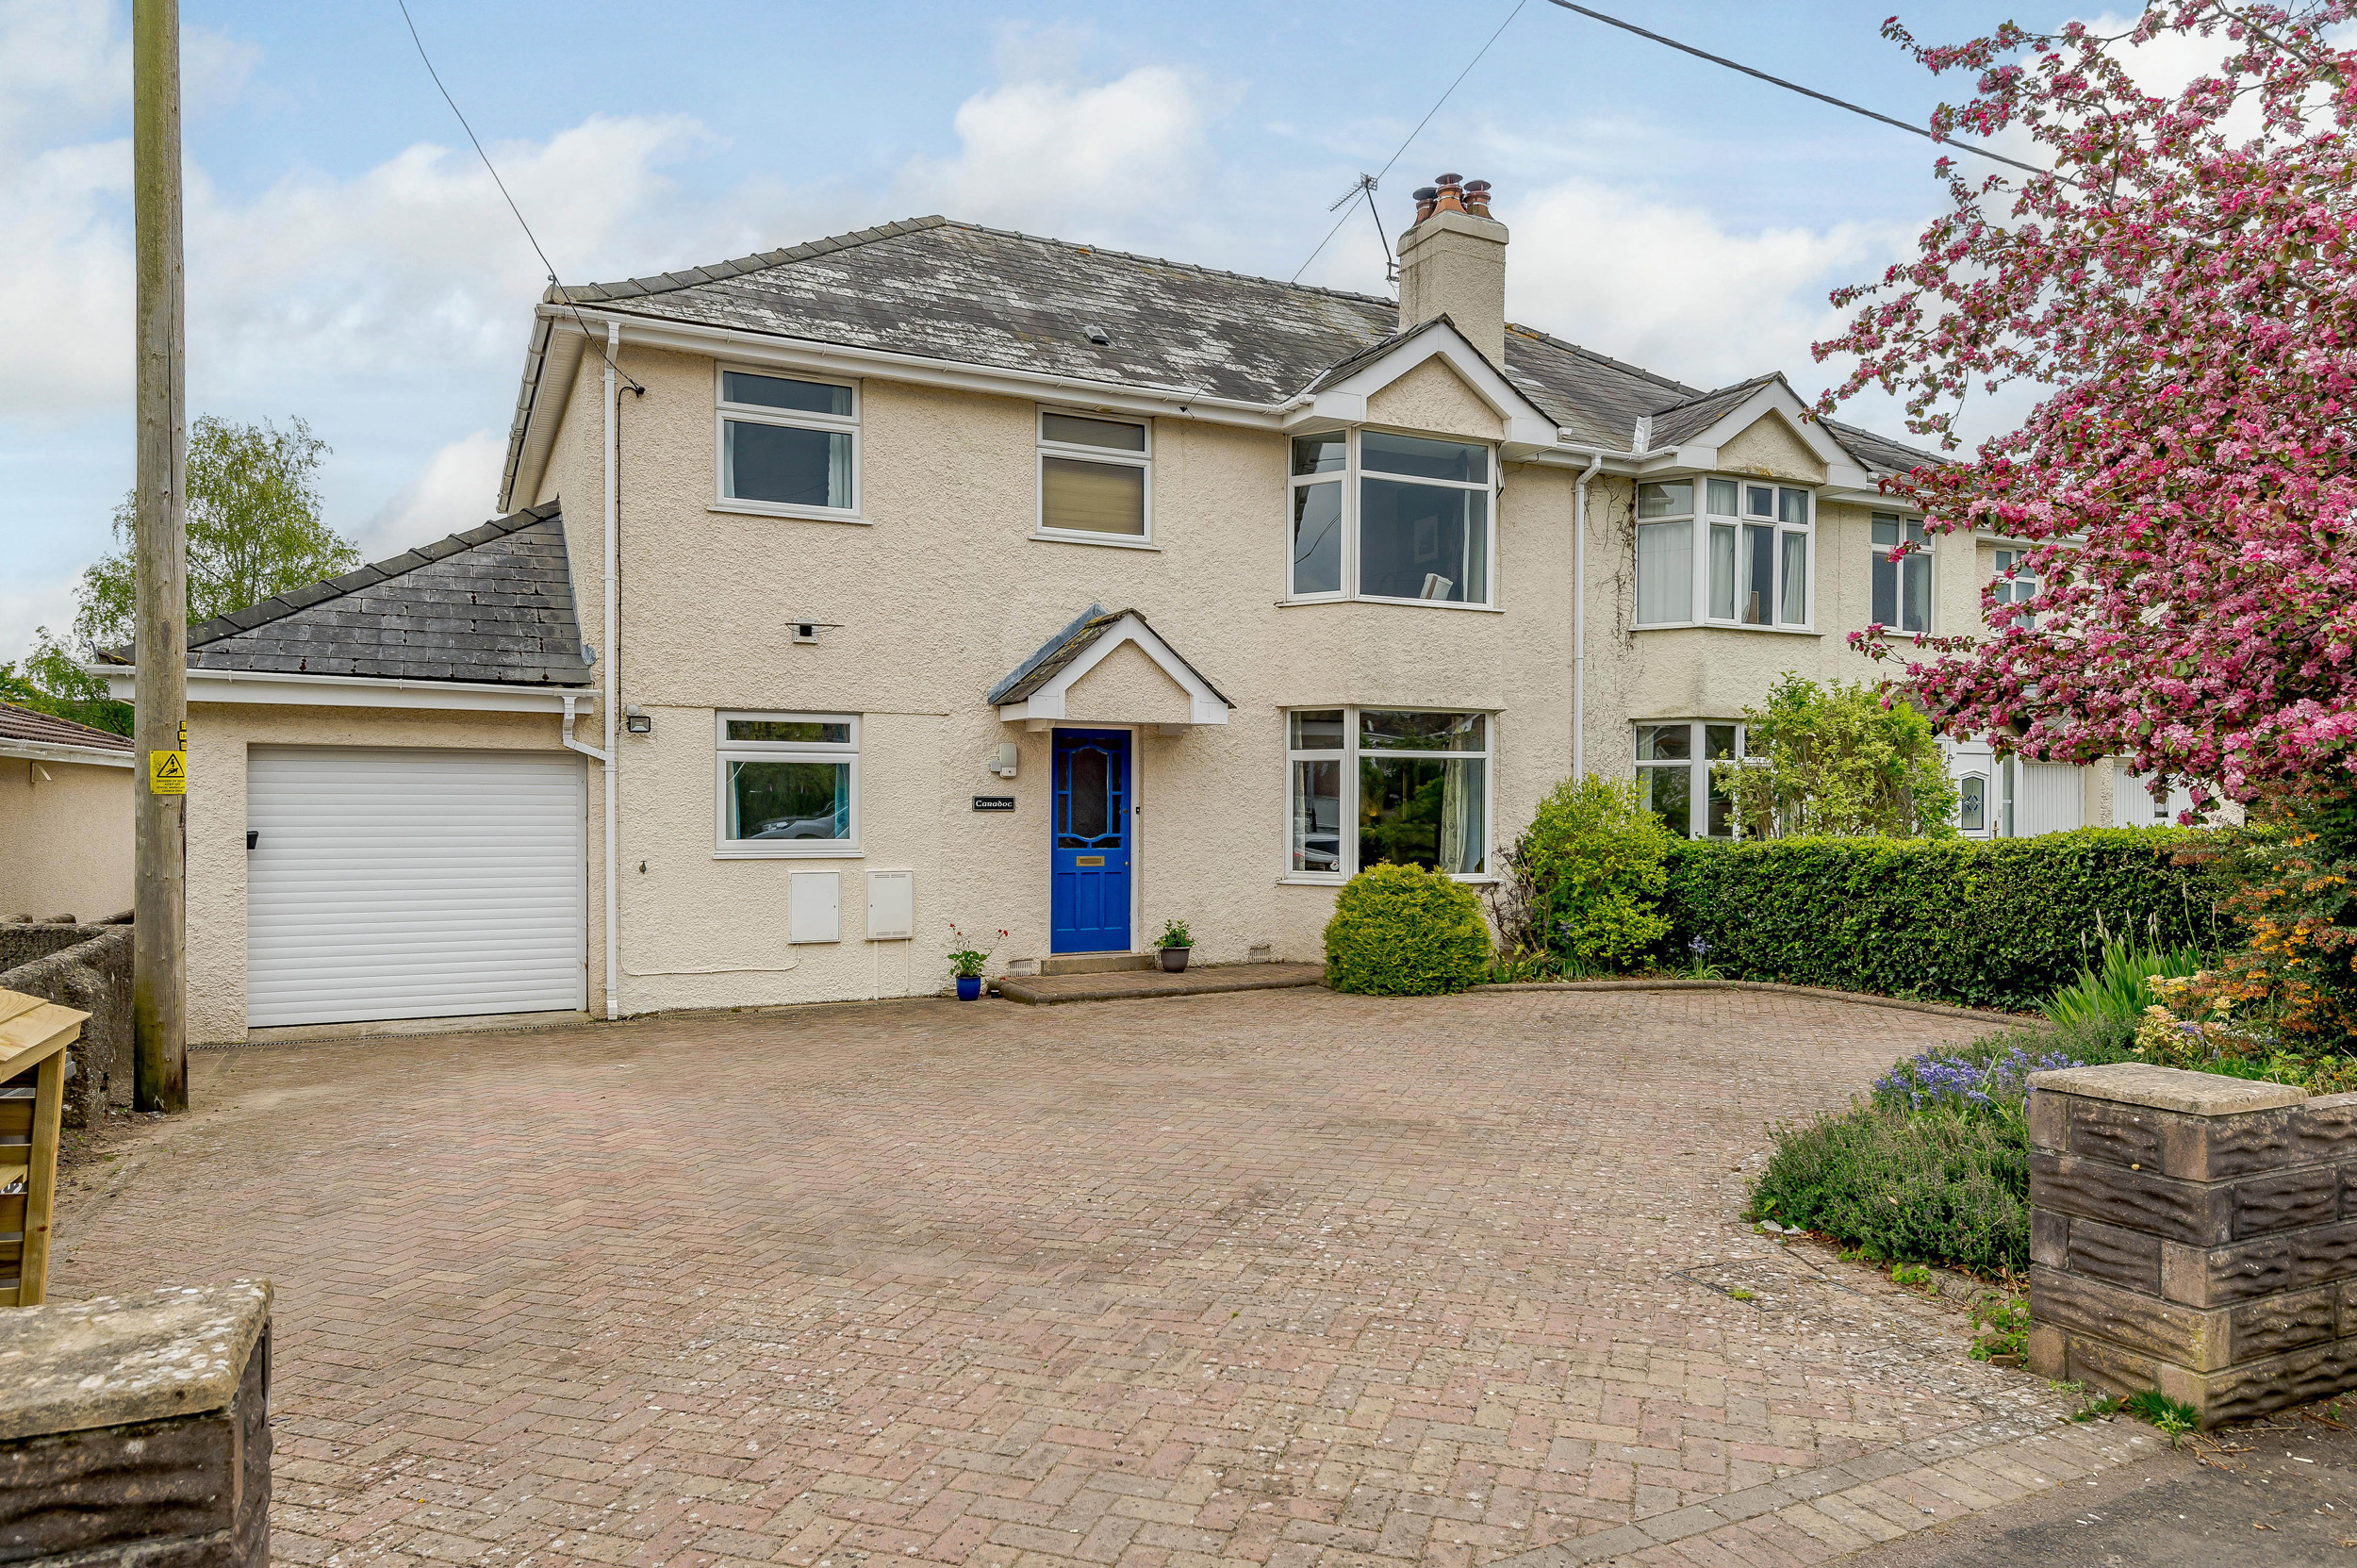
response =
{"points": [[47, 751], [613, 616], [351, 691], [582, 746], [1579, 616]]}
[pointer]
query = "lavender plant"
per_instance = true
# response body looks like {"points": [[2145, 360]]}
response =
{"points": [[1938, 1080]]}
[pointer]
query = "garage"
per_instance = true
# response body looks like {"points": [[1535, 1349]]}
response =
{"points": [[410, 883]]}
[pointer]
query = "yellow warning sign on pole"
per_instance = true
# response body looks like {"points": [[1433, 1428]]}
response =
{"points": [[167, 772]]}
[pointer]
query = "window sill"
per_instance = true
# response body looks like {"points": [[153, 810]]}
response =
{"points": [[1300, 878], [829, 851], [1725, 626], [1377, 599], [808, 514], [1110, 541]]}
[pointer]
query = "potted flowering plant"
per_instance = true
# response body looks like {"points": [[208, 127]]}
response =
{"points": [[966, 962], [1177, 942]]}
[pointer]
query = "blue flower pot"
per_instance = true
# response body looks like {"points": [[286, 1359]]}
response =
{"points": [[970, 987]]}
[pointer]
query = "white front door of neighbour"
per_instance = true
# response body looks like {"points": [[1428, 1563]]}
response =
{"points": [[412, 883]]}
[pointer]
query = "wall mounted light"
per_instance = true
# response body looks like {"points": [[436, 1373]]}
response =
{"points": [[637, 721]]}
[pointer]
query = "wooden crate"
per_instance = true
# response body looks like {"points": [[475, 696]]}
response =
{"points": [[33, 1036]]}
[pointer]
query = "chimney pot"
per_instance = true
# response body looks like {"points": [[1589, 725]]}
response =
{"points": [[1478, 198], [1425, 196]]}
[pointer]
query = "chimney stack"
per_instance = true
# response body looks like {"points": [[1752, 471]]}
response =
{"points": [[1452, 262]]}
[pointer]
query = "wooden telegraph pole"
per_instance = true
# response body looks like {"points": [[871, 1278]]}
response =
{"points": [[160, 729]]}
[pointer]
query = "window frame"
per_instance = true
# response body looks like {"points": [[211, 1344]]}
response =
{"points": [[1701, 520], [1351, 474], [1921, 548], [726, 750], [1044, 449], [1348, 755], [1697, 748], [724, 411], [2005, 590]]}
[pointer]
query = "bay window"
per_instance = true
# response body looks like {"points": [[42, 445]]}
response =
{"points": [[1902, 583], [1372, 515], [1371, 786], [1674, 764], [1753, 566], [787, 446]]}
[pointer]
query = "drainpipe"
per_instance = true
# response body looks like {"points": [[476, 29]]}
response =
{"points": [[1579, 618], [612, 668]]}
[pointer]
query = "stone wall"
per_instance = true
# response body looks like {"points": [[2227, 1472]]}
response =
{"points": [[135, 1430], [87, 968], [2193, 1233]]}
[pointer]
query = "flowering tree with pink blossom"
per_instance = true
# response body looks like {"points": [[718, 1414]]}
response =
{"points": [[2181, 290]]}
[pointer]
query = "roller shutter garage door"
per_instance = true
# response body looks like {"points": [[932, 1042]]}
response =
{"points": [[412, 883]]}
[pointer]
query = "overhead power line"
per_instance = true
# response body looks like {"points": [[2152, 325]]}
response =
{"points": [[1367, 183], [546, 265], [1805, 92]]}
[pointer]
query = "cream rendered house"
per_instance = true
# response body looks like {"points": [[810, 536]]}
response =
{"points": [[65, 817], [935, 574]]}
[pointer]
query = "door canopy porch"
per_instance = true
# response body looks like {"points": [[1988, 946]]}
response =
{"points": [[1107, 667]]}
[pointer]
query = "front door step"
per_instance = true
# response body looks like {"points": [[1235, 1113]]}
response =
{"points": [[1093, 964]]}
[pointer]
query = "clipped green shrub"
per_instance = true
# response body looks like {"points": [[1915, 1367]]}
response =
{"points": [[2114, 987], [2001, 923], [1592, 857], [1401, 930]]}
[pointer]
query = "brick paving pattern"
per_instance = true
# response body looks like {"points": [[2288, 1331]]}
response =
{"points": [[1282, 1277]]}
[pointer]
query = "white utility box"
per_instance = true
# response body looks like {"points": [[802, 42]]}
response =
{"points": [[891, 906], [814, 907]]}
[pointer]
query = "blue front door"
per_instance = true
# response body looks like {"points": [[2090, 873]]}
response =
{"points": [[1089, 859]]}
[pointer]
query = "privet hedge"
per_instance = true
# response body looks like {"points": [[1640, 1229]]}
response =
{"points": [[1983, 923]]}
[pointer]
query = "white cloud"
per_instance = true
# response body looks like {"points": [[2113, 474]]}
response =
{"points": [[1068, 157], [24, 608], [1674, 290], [457, 488]]}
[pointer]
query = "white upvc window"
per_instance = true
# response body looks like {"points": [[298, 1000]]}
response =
{"points": [[2014, 583], [1902, 583], [1096, 479], [1367, 786], [1673, 763], [788, 785], [785, 446], [1756, 564], [1399, 518]]}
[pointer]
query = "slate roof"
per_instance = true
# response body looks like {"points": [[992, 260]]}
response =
{"points": [[942, 289], [1069, 644], [47, 730], [492, 605]]}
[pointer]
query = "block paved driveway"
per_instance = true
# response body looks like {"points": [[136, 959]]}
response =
{"points": [[1283, 1277]]}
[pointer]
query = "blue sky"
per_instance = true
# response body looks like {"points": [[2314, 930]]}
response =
{"points": [[349, 262]]}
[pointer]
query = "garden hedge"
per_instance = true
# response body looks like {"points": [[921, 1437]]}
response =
{"points": [[1997, 923]]}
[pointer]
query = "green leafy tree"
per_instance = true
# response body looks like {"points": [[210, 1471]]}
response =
{"points": [[254, 529], [1590, 871], [1837, 760], [50, 681]]}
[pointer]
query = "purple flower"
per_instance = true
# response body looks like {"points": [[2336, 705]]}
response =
{"points": [[1935, 1082]]}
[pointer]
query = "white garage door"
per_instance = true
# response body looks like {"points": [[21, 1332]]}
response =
{"points": [[412, 883]]}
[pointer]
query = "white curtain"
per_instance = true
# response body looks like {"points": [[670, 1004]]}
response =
{"points": [[1463, 850], [1665, 572]]}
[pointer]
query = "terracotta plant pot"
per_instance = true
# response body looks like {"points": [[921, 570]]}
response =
{"points": [[1175, 960], [970, 987]]}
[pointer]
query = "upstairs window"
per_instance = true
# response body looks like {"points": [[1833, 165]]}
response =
{"points": [[1754, 568], [1094, 479], [1902, 583], [2014, 583], [786, 445], [1372, 515]]}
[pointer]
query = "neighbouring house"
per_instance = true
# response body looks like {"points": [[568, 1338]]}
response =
{"points": [[65, 817], [934, 573]]}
